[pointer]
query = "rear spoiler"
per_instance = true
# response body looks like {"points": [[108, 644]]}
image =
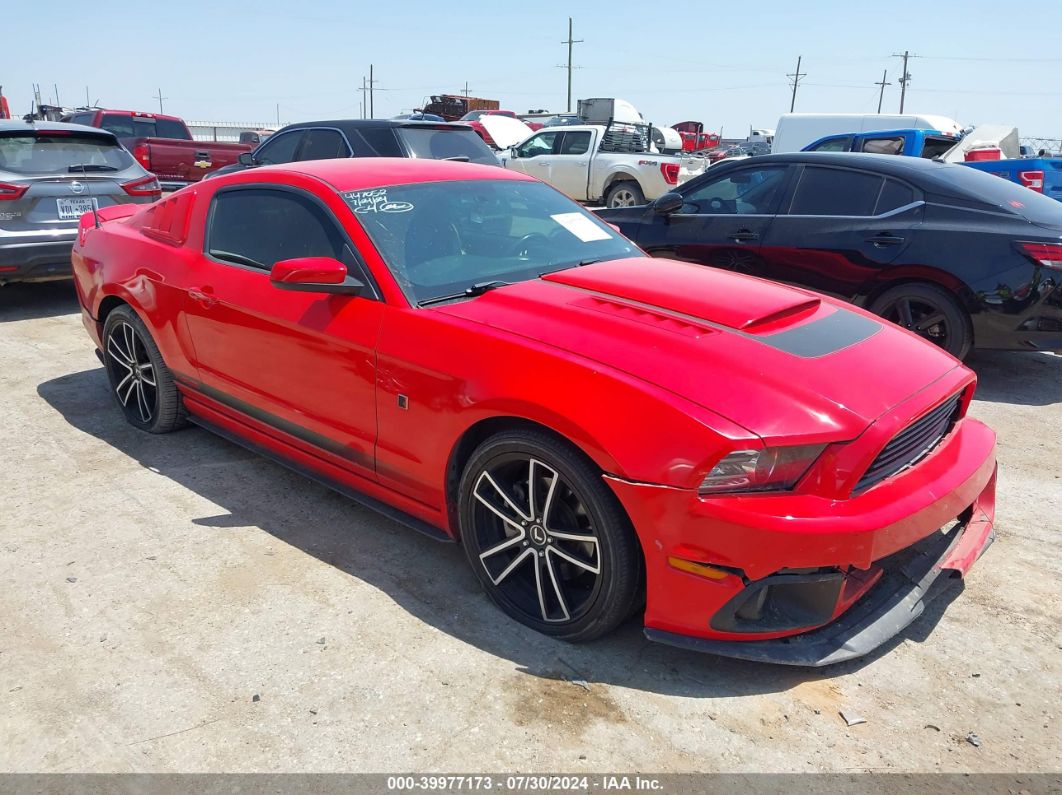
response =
{"points": [[115, 212]]}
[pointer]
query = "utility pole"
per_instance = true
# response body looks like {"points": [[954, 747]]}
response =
{"points": [[570, 41], [88, 104], [466, 92], [364, 96], [796, 82], [159, 97], [882, 83], [278, 114], [906, 77], [372, 112]]}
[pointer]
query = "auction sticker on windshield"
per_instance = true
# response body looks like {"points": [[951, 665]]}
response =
{"points": [[375, 201], [581, 226]]}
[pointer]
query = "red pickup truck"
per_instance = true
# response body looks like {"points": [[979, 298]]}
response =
{"points": [[162, 144]]}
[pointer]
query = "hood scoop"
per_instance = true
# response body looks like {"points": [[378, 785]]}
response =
{"points": [[696, 292]]}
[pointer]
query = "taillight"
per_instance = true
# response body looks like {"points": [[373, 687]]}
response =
{"points": [[670, 172], [142, 155], [1047, 254], [1033, 180], [9, 192], [147, 186]]}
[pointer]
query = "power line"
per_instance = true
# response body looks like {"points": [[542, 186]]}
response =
{"points": [[882, 83], [796, 82]]}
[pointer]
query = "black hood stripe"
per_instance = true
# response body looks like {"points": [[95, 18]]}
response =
{"points": [[833, 333]]}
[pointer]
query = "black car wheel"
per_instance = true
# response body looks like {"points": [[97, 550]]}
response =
{"points": [[928, 311], [546, 538], [141, 383]]}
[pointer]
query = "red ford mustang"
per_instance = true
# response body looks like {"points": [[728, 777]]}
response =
{"points": [[779, 475]]}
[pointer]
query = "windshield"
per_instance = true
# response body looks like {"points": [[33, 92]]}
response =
{"points": [[442, 238], [41, 153], [437, 143]]}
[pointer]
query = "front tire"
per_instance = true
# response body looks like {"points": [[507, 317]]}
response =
{"points": [[930, 312], [548, 541], [624, 194], [141, 383]]}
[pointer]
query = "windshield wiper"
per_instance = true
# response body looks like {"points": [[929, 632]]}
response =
{"points": [[83, 167], [578, 264], [470, 292]]}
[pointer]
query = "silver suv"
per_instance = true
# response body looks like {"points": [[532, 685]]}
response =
{"points": [[49, 175]]}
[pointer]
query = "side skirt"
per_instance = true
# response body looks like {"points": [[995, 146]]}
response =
{"points": [[356, 496]]}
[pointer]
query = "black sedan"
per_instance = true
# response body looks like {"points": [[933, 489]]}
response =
{"points": [[960, 257]]}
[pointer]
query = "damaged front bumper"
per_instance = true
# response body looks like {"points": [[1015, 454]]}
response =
{"points": [[911, 579]]}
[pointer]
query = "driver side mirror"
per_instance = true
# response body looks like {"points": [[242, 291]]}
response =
{"points": [[315, 275], [668, 203], [512, 151], [245, 159]]}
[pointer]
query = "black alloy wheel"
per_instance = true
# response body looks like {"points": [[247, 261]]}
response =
{"points": [[141, 383], [546, 538], [929, 312]]}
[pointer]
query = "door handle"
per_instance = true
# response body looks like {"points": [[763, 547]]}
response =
{"points": [[886, 239], [744, 236], [202, 297]]}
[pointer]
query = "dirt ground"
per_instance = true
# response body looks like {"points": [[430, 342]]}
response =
{"points": [[176, 603]]}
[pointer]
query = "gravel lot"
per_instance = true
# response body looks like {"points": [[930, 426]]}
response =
{"points": [[175, 603]]}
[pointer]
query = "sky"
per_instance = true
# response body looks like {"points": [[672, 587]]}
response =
{"points": [[232, 61]]}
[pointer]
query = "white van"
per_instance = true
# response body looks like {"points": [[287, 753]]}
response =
{"points": [[797, 130]]}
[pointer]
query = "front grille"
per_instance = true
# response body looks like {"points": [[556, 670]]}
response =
{"points": [[912, 444]]}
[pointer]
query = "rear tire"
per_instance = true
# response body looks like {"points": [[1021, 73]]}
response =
{"points": [[930, 312], [141, 383], [547, 540], [624, 194]]}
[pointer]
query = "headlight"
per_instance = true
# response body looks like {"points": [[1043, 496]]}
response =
{"points": [[770, 469]]}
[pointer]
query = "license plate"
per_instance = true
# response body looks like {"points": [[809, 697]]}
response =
{"points": [[73, 208]]}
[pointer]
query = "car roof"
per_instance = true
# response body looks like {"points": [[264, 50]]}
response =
{"points": [[897, 165], [361, 124], [45, 126], [366, 173]]}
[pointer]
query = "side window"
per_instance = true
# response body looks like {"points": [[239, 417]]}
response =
{"points": [[82, 118], [835, 191], [541, 144], [838, 144], [122, 126], [575, 143], [279, 148], [260, 227], [892, 145], [381, 142], [167, 128], [893, 195], [748, 191], [323, 145]]}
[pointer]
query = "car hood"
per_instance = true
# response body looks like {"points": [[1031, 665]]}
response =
{"points": [[779, 361], [505, 130]]}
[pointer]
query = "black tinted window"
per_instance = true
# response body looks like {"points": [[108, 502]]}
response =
{"points": [[834, 191], [747, 191], [167, 128], [323, 145], [262, 227], [279, 148], [382, 142], [894, 194]]}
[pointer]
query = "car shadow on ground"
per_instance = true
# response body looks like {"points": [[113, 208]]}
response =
{"points": [[1017, 377], [429, 579], [37, 300]]}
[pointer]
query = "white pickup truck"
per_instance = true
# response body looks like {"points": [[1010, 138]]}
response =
{"points": [[573, 160]]}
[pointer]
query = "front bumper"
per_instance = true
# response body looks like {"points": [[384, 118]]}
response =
{"points": [[885, 544], [35, 261]]}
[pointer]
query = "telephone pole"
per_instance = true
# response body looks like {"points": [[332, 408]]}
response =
{"points": [[159, 97], [466, 92], [882, 83], [372, 114], [570, 41], [364, 96], [906, 77], [796, 82]]}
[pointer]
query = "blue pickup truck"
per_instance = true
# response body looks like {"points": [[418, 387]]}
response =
{"points": [[1041, 174]]}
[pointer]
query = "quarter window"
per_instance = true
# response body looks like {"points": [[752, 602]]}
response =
{"points": [[748, 191], [893, 195], [260, 227], [835, 191], [839, 144], [884, 146]]}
